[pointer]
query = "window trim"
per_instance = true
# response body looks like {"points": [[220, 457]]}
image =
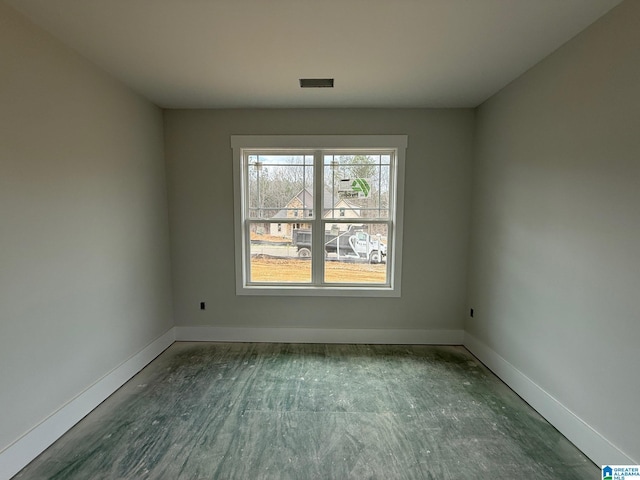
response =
{"points": [[239, 143]]}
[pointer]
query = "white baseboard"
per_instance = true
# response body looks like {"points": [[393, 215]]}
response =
{"points": [[319, 335], [581, 434], [17, 455]]}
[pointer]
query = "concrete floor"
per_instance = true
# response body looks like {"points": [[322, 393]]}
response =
{"points": [[281, 411]]}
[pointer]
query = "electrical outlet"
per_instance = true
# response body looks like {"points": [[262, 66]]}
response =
{"points": [[202, 306], [471, 312]]}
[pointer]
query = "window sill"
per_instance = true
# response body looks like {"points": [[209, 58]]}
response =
{"points": [[311, 291]]}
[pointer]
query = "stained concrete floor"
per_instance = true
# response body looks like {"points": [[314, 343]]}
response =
{"points": [[282, 411]]}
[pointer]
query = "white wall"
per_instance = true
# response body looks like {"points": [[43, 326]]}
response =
{"points": [[555, 249], [199, 159], [84, 256]]}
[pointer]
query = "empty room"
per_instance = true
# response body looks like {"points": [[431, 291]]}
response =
{"points": [[298, 240]]}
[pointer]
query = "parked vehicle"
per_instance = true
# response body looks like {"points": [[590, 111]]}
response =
{"points": [[354, 244]]}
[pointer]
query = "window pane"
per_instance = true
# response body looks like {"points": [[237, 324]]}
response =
{"points": [[355, 253], [280, 186], [356, 186], [274, 255]]}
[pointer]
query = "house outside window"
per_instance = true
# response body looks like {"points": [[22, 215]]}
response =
{"points": [[349, 190]]}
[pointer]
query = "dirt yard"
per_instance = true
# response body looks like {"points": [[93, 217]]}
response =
{"points": [[264, 269]]}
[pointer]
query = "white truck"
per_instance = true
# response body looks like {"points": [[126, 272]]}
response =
{"points": [[354, 244]]}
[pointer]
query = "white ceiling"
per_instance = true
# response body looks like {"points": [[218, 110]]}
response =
{"points": [[251, 53]]}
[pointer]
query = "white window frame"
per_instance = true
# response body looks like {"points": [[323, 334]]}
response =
{"points": [[398, 143]]}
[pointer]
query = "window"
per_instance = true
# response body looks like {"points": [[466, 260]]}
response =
{"points": [[347, 188]]}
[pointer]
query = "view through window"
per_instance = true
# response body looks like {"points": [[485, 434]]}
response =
{"points": [[317, 219]]}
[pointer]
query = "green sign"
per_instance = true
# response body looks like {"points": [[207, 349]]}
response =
{"points": [[354, 187]]}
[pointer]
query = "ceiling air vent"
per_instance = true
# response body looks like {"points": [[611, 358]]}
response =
{"points": [[316, 82]]}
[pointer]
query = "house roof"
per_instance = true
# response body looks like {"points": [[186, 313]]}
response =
{"points": [[306, 198]]}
